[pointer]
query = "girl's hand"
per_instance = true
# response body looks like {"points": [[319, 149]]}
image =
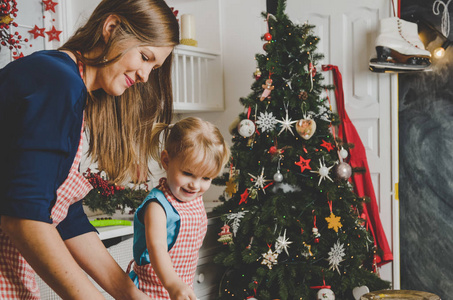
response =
{"points": [[181, 291]]}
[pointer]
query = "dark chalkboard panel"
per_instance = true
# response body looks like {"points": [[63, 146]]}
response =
{"points": [[426, 167]]}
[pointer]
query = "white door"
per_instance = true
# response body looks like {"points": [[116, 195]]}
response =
{"points": [[347, 29]]}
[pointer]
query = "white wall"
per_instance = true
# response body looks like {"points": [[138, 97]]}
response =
{"points": [[242, 28]]}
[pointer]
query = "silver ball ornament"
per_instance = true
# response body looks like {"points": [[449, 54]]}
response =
{"points": [[278, 177], [343, 171]]}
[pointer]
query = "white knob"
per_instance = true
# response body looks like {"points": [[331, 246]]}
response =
{"points": [[200, 278]]}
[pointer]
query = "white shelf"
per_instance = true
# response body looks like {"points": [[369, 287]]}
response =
{"points": [[197, 79]]}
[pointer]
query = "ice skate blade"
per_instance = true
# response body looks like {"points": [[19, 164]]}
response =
{"points": [[385, 54], [384, 67]]}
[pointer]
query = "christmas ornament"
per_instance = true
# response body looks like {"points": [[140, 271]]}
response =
{"points": [[314, 230], [266, 46], [257, 74], [316, 234], [266, 121], [304, 164], [343, 153], [268, 87], [286, 123], [244, 197], [336, 255], [54, 34], [303, 95], [269, 258], [325, 294], [37, 32], [323, 171], [49, 5], [306, 128], [235, 220], [278, 177], [359, 291], [307, 252], [226, 237], [267, 36], [246, 128], [231, 187], [333, 221], [327, 145], [343, 171], [282, 243], [260, 180]]}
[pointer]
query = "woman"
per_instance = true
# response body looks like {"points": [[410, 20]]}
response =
{"points": [[112, 78]]}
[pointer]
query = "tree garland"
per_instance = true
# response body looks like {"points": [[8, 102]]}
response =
{"points": [[108, 197]]}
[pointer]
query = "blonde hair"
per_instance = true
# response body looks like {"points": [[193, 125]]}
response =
{"points": [[199, 143], [119, 125]]}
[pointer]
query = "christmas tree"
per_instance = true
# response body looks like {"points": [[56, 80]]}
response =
{"points": [[292, 226]]}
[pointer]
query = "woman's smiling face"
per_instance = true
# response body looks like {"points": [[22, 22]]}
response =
{"points": [[133, 67]]}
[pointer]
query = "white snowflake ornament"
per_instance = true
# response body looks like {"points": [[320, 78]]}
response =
{"points": [[260, 180], [336, 255], [282, 243], [286, 123], [266, 121], [269, 258], [323, 171]]}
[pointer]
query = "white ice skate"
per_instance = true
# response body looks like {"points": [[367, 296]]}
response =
{"points": [[399, 48]]}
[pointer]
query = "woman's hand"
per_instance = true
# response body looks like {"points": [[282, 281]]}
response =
{"points": [[180, 291]]}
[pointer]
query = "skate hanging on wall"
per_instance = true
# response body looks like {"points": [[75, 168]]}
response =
{"points": [[399, 48]]}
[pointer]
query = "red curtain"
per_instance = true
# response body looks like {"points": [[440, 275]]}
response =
{"points": [[362, 181]]}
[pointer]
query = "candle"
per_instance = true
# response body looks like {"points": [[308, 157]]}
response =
{"points": [[188, 30]]}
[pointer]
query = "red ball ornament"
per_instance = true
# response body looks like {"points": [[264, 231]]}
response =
{"points": [[267, 36], [316, 240], [273, 150]]}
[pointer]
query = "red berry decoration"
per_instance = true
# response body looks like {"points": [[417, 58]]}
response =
{"points": [[267, 36]]}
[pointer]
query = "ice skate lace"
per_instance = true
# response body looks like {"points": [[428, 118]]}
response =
{"points": [[400, 31]]}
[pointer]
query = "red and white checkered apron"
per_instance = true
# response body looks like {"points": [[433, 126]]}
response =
{"points": [[17, 278], [184, 253]]}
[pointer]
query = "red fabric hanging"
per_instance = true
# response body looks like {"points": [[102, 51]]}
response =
{"points": [[362, 181]]}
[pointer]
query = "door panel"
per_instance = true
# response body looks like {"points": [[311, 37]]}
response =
{"points": [[347, 29]]}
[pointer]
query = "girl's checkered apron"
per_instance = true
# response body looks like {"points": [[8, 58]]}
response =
{"points": [[17, 278], [184, 253]]}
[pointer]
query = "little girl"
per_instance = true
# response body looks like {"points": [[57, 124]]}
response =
{"points": [[170, 224]]}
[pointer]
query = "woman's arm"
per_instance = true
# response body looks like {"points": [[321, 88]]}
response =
{"points": [[42, 247], [93, 257], [155, 221]]}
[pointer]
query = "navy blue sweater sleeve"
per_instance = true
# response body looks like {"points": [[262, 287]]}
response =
{"points": [[42, 98]]}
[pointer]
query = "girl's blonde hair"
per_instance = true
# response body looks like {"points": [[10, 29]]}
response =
{"points": [[199, 143], [119, 126]]}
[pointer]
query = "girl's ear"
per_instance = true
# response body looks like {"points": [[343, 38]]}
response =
{"points": [[164, 159], [110, 24]]}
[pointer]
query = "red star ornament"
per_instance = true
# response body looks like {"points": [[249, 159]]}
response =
{"points": [[327, 145], [54, 34], [37, 32], [244, 196], [49, 5], [18, 56], [304, 164]]}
